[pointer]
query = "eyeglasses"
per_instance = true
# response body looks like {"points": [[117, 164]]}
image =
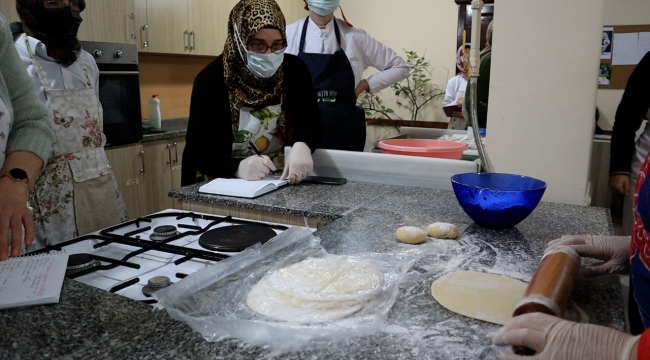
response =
{"points": [[60, 4], [261, 47]]}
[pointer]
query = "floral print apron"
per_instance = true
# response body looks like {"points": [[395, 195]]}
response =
{"points": [[261, 128], [77, 192]]}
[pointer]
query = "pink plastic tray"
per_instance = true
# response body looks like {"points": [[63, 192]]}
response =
{"points": [[424, 147]]}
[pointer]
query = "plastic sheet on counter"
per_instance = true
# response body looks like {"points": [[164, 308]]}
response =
{"points": [[213, 300]]}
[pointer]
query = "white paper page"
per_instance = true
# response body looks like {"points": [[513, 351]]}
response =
{"points": [[238, 186], [31, 280], [626, 49], [644, 45]]}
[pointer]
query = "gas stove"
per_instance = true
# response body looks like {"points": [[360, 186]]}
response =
{"points": [[141, 256]]}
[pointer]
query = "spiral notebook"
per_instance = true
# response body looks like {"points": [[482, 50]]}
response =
{"points": [[32, 280], [241, 187]]}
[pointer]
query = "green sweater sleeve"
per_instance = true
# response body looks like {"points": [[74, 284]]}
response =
{"points": [[30, 130]]}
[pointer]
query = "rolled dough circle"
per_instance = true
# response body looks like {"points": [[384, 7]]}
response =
{"points": [[410, 235], [480, 296], [316, 290]]}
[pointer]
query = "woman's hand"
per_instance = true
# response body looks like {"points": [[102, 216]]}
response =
{"points": [[363, 86], [14, 215], [614, 251], [255, 167], [619, 183], [556, 339], [299, 163]]}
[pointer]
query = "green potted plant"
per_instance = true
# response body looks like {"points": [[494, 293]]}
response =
{"points": [[412, 93]]}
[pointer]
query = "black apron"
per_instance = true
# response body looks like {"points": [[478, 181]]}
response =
{"points": [[333, 79]]}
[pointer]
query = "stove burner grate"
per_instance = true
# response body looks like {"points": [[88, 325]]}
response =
{"points": [[235, 238]]}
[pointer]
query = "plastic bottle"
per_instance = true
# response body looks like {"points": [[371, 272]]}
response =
{"points": [[154, 112]]}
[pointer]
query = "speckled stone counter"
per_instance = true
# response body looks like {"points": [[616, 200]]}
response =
{"points": [[365, 218], [172, 128], [84, 316]]}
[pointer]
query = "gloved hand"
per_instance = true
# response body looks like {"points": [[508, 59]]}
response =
{"points": [[614, 251], [254, 167], [299, 163], [556, 339]]}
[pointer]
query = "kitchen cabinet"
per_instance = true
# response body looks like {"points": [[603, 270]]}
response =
{"points": [[112, 21], [142, 26], [168, 26], [8, 10], [128, 165], [185, 27], [162, 160], [192, 27]]}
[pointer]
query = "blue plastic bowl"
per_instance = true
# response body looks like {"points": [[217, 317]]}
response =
{"points": [[497, 201]]}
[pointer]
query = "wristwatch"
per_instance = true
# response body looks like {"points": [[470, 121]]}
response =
{"points": [[17, 174]]}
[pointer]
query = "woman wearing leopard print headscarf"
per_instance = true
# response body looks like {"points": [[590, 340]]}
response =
{"points": [[252, 98]]}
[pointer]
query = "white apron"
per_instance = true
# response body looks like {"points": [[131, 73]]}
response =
{"points": [[640, 153], [261, 128], [77, 192]]}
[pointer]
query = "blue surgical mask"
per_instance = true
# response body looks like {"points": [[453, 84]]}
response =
{"points": [[323, 7], [261, 65]]}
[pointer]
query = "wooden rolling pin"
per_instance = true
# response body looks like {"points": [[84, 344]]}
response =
{"points": [[549, 291]]}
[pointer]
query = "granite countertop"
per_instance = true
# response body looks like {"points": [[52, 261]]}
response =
{"points": [[172, 128], [100, 325]]}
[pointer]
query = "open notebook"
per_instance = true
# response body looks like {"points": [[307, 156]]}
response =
{"points": [[241, 187], [32, 280]]}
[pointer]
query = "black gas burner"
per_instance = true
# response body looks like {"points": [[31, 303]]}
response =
{"points": [[161, 233], [235, 238], [80, 262], [154, 284]]}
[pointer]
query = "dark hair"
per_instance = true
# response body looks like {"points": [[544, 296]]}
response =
{"points": [[16, 29]]}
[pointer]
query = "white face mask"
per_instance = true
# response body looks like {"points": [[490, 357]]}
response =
{"points": [[261, 65], [323, 7]]}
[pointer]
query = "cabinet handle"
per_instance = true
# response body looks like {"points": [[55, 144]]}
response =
{"points": [[142, 159], [175, 153], [169, 152], [135, 26], [186, 39], [193, 46], [145, 43]]}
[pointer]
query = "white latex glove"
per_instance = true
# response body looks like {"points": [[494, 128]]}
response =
{"points": [[299, 163], [556, 339], [255, 167], [614, 251]]}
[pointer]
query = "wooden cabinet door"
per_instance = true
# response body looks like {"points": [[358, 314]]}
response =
{"points": [[8, 10], [128, 165], [178, 146], [168, 23], [158, 175], [142, 25], [111, 21], [207, 29]]}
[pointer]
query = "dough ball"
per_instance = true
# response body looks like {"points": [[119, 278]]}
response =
{"points": [[410, 235], [442, 230]]}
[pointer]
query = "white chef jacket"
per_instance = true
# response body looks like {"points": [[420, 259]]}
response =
{"points": [[454, 85], [361, 49], [60, 77]]}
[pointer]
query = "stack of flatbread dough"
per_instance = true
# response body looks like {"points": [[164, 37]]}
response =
{"points": [[316, 290]]}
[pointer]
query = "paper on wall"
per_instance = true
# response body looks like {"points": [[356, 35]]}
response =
{"points": [[644, 44], [626, 49]]}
